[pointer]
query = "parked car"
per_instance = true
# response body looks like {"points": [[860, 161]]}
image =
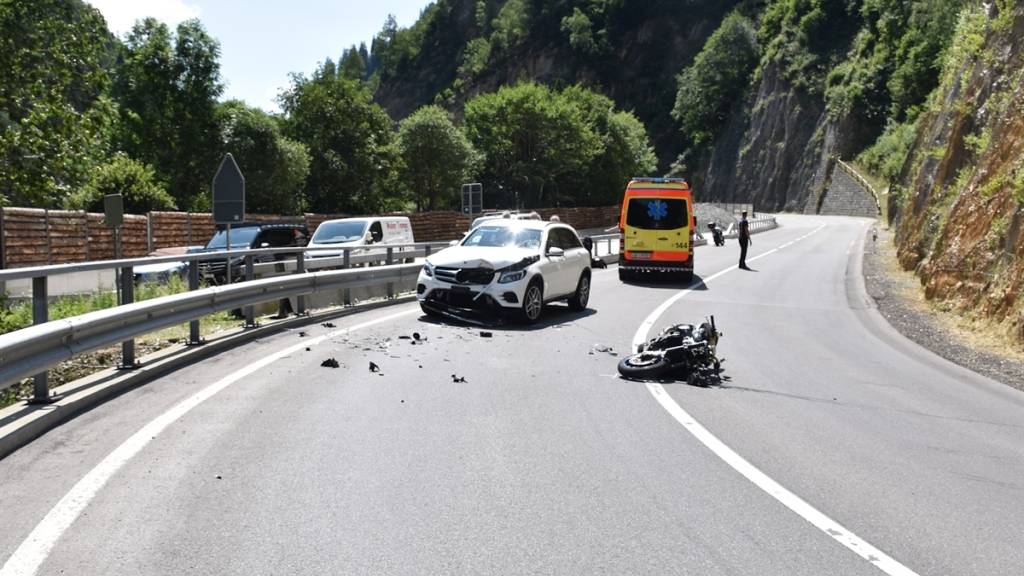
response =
{"points": [[332, 235], [164, 271], [507, 265], [249, 236]]}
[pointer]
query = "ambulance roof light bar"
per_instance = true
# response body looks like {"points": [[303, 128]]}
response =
{"points": [[659, 180]]}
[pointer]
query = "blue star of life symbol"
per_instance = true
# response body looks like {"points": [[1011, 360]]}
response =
{"points": [[657, 210]]}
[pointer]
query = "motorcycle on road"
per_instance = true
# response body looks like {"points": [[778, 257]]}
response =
{"points": [[682, 351]]}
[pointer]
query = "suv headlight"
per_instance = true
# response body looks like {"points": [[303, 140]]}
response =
{"points": [[508, 277], [428, 270]]}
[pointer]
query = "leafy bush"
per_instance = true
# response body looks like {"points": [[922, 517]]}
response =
{"points": [[889, 153], [132, 179]]}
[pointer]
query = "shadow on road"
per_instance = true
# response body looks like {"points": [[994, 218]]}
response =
{"points": [[667, 282], [554, 316]]}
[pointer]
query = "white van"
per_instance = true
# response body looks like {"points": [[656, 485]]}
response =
{"points": [[368, 231]]}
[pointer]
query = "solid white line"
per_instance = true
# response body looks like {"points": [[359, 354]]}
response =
{"points": [[862, 548], [31, 554]]}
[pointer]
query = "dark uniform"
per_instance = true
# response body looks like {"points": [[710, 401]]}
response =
{"points": [[744, 239]]}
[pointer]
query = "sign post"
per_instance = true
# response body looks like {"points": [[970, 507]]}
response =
{"points": [[113, 216], [228, 201]]}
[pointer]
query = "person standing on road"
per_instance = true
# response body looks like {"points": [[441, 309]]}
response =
{"points": [[744, 238]]}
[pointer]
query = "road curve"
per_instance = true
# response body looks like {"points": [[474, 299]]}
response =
{"points": [[543, 461]]}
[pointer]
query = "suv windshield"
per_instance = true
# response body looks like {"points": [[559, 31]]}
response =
{"points": [[656, 213], [240, 238], [492, 236], [338, 232]]}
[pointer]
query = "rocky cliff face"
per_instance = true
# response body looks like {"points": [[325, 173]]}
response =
{"points": [[962, 190], [771, 152]]}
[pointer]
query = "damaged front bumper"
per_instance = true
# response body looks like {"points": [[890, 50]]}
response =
{"points": [[472, 302]]}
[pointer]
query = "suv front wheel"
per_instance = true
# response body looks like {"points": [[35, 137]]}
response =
{"points": [[533, 302], [579, 300]]}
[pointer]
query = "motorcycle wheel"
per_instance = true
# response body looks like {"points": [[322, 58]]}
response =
{"points": [[644, 366]]}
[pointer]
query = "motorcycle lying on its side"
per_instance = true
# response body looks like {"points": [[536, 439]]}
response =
{"points": [[682, 351], [716, 233]]}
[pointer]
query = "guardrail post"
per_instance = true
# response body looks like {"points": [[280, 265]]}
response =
{"points": [[346, 298], [40, 315], [194, 339], [250, 320], [127, 297], [300, 268], [426, 251], [389, 260]]}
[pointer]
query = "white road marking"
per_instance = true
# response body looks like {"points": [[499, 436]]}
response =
{"points": [[862, 548], [31, 554]]}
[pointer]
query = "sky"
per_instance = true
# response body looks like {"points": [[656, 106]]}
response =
{"points": [[262, 41]]}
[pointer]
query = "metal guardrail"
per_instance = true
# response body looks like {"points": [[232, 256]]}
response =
{"points": [[25, 352], [385, 254]]}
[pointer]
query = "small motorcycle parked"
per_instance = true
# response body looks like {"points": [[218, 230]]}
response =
{"points": [[716, 234], [682, 351]]}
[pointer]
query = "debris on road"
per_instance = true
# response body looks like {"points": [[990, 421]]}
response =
{"points": [[328, 325], [604, 349], [330, 363], [404, 337], [486, 334], [302, 334], [374, 367], [307, 348], [219, 477], [458, 379], [416, 336]]}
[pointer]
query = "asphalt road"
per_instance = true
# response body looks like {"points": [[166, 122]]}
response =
{"points": [[543, 461]]}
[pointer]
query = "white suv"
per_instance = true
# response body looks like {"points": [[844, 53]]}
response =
{"points": [[507, 265]]}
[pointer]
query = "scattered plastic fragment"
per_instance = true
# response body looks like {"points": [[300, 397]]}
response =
{"points": [[303, 334], [486, 334], [330, 363], [603, 348], [458, 378], [416, 336], [307, 348], [374, 367], [328, 325]]}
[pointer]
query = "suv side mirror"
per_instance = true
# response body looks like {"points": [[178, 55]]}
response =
{"points": [[265, 245], [555, 251], [368, 237]]}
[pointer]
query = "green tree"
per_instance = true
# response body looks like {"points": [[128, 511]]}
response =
{"points": [[717, 80], [168, 86], [55, 118], [352, 65], [436, 157], [532, 140], [351, 143], [132, 179], [275, 167], [624, 151]]}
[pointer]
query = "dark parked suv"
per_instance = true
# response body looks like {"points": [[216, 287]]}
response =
{"points": [[248, 236]]}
